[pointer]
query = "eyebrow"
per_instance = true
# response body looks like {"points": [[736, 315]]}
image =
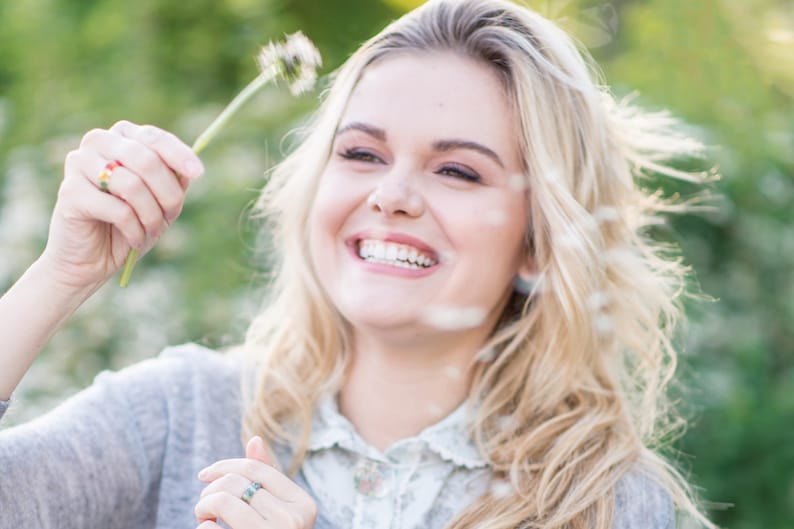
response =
{"points": [[451, 145], [375, 132], [438, 146]]}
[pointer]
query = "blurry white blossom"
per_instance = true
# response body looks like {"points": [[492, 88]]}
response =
{"points": [[500, 488], [453, 372], [603, 324], [604, 214]]}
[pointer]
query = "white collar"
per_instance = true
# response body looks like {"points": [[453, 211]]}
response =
{"points": [[448, 438]]}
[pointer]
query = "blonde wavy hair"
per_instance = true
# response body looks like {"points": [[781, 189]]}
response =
{"points": [[569, 391]]}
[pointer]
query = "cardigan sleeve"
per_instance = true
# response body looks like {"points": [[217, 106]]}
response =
{"points": [[642, 502], [92, 462]]}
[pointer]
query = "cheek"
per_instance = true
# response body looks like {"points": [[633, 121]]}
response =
{"points": [[495, 223], [334, 206], [321, 225], [492, 235], [327, 210]]}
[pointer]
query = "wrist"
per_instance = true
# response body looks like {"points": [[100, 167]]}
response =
{"points": [[46, 276], [31, 311]]}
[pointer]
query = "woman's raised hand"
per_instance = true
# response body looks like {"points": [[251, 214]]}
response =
{"points": [[251, 493], [146, 172]]}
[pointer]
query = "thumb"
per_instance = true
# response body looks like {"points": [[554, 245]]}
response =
{"points": [[257, 449]]}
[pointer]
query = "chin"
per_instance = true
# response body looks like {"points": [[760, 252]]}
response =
{"points": [[369, 316]]}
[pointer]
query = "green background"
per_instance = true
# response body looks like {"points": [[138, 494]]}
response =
{"points": [[726, 67]]}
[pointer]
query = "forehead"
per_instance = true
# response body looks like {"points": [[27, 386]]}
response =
{"points": [[439, 94]]}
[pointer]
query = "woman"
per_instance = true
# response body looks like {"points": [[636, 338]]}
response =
{"points": [[467, 325]]}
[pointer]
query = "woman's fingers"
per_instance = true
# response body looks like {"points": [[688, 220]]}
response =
{"points": [[112, 210], [280, 500], [223, 498], [174, 152], [270, 478], [236, 513], [125, 185], [86, 201], [236, 485], [119, 191], [149, 165]]}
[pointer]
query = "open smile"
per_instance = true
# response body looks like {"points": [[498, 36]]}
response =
{"points": [[395, 254], [394, 251]]}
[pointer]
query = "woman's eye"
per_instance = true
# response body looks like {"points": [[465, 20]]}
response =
{"points": [[463, 173], [359, 155]]}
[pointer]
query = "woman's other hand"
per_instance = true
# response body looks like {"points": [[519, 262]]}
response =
{"points": [[92, 230], [280, 503]]}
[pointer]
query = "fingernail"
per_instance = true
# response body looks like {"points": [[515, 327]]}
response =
{"points": [[193, 168], [203, 473]]}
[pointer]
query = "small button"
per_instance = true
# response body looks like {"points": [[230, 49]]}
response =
{"points": [[369, 480]]}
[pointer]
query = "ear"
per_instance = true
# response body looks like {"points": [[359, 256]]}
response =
{"points": [[526, 269], [526, 274]]}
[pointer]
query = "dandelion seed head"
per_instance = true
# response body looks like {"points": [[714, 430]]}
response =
{"points": [[598, 301], [605, 214], [295, 60], [500, 488], [506, 422], [617, 256], [453, 372], [603, 324]]}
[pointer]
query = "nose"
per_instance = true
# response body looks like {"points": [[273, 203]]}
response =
{"points": [[397, 194]]}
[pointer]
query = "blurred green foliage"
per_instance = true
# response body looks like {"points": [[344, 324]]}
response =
{"points": [[725, 66]]}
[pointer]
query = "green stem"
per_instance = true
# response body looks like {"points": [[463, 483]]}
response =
{"points": [[129, 264], [246, 93], [203, 140]]}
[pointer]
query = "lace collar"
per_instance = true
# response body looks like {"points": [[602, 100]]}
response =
{"points": [[447, 438]]}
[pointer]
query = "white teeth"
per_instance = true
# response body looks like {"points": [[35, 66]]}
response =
{"points": [[394, 254], [378, 251]]}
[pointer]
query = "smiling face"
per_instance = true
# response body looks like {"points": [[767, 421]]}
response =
{"points": [[418, 226]]}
